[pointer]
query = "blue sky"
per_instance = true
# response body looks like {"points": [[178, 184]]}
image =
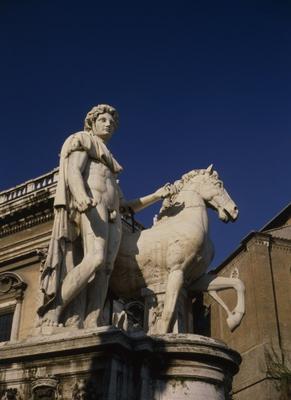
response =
{"points": [[195, 82]]}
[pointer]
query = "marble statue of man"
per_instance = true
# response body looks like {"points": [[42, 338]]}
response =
{"points": [[87, 205]]}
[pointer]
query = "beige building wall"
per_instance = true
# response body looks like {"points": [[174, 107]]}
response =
{"points": [[281, 264], [263, 339]]}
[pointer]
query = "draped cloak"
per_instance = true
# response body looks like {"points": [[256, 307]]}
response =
{"points": [[65, 230]]}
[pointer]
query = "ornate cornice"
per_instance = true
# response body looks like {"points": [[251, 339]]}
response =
{"points": [[259, 239], [282, 244], [26, 222], [28, 204]]}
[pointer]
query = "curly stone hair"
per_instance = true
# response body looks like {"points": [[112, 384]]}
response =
{"points": [[96, 111]]}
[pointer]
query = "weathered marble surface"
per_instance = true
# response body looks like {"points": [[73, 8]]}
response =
{"points": [[87, 226], [108, 364], [176, 252], [87, 246]]}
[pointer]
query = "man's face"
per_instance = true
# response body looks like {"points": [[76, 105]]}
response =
{"points": [[104, 126]]}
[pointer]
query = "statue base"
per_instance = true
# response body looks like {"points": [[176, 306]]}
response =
{"points": [[109, 364]]}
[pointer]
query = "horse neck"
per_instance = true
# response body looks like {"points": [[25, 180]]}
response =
{"points": [[194, 206]]}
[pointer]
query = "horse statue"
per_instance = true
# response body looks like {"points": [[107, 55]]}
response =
{"points": [[177, 249]]}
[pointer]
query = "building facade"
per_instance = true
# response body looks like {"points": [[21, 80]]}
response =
{"points": [[26, 214], [263, 263]]}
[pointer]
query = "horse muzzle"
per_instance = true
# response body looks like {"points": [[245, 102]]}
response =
{"points": [[227, 214]]}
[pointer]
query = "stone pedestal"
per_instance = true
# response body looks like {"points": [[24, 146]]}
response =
{"points": [[109, 364]]}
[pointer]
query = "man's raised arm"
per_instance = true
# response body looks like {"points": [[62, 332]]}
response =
{"points": [[143, 202]]}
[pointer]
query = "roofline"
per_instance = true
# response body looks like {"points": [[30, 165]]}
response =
{"points": [[2, 192], [269, 224], [249, 236]]}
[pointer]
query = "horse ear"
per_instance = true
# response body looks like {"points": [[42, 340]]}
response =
{"points": [[210, 169]]}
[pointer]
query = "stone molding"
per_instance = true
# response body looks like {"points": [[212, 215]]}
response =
{"points": [[260, 239], [166, 366], [28, 204], [282, 244], [26, 223]]}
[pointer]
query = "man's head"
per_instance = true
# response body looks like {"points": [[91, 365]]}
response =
{"points": [[96, 111]]}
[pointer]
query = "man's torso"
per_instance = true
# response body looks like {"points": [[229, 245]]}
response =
{"points": [[101, 184]]}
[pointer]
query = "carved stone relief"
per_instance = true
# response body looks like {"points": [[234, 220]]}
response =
{"points": [[45, 388], [84, 390], [11, 394], [11, 284]]}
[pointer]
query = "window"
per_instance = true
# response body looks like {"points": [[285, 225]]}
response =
{"points": [[5, 326], [11, 295]]}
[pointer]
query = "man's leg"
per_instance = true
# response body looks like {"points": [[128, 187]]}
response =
{"points": [[98, 289], [94, 232], [96, 292]]}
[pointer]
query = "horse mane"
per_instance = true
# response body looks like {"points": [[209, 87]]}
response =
{"points": [[176, 187]]}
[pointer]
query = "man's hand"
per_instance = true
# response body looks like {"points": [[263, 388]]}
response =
{"points": [[143, 202], [83, 202], [164, 191]]}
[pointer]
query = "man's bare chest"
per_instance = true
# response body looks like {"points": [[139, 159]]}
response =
{"points": [[98, 176]]}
